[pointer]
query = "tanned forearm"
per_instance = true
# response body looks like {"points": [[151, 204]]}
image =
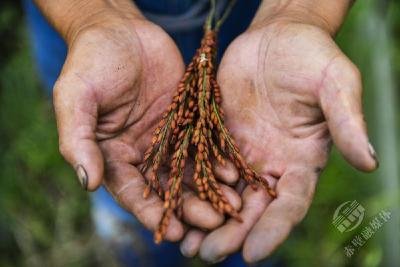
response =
{"points": [[70, 16], [326, 14]]}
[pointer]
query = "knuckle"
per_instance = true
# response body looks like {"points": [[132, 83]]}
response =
{"points": [[355, 71], [355, 76], [59, 92], [57, 88], [352, 75], [345, 74], [64, 149]]}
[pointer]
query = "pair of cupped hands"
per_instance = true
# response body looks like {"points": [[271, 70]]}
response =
{"points": [[287, 91]]}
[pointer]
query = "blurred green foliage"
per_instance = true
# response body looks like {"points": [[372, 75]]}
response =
{"points": [[317, 242], [45, 217]]}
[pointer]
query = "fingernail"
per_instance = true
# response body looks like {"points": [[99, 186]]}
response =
{"points": [[373, 154], [218, 260], [82, 175], [184, 252]]}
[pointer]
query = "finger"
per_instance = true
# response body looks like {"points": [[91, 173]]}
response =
{"points": [[226, 173], [229, 238], [191, 243], [76, 113], [200, 213], [126, 184], [340, 99], [295, 190]]}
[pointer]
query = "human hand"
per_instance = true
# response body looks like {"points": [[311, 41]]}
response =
{"points": [[118, 78], [287, 91]]}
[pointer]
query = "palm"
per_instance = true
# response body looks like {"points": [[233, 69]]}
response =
{"points": [[129, 115], [108, 100], [282, 87], [270, 97], [120, 80], [131, 76]]}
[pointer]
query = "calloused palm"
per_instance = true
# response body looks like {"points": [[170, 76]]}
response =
{"points": [[117, 80], [287, 90]]}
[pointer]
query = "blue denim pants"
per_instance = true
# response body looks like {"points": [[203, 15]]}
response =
{"points": [[134, 244]]}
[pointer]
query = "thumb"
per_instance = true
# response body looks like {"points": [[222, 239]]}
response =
{"points": [[340, 98], [76, 113]]}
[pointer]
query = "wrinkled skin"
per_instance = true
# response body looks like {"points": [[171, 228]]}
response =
{"points": [[287, 92], [118, 78]]}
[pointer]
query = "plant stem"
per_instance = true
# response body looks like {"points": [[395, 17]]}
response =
{"points": [[227, 137], [225, 14], [211, 15]]}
